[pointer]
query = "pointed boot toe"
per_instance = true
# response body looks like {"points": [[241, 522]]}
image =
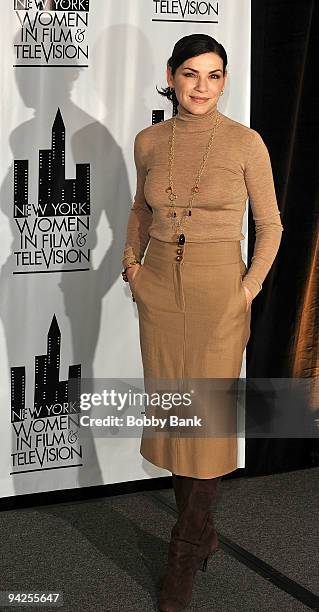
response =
{"points": [[171, 605], [176, 591]]}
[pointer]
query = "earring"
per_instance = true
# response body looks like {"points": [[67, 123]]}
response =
{"points": [[221, 93]]}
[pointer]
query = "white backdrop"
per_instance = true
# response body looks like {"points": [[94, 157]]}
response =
{"points": [[78, 83]]}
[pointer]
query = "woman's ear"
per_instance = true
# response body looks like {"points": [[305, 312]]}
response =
{"points": [[169, 77]]}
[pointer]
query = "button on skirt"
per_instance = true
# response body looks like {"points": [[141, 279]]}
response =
{"points": [[194, 326]]}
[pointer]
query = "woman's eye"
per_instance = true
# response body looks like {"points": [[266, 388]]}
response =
{"points": [[216, 76]]}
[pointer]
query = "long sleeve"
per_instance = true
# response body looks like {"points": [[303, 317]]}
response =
{"points": [[140, 216], [268, 226]]}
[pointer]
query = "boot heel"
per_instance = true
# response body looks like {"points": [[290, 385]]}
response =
{"points": [[204, 566]]}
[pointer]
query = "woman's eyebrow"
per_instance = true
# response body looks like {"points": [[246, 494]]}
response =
{"points": [[193, 69]]}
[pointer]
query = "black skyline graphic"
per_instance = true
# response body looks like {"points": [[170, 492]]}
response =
{"points": [[48, 388], [54, 189]]}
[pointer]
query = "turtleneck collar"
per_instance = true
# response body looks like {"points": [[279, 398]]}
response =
{"points": [[189, 122]]}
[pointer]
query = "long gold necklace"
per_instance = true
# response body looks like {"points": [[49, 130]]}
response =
{"points": [[177, 224]]}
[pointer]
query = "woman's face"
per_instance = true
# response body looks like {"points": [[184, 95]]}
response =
{"points": [[198, 82]]}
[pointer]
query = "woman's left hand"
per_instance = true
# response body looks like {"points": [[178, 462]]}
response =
{"points": [[249, 297]]}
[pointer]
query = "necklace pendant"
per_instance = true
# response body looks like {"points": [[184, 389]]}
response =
{"points": [[181, 239]]}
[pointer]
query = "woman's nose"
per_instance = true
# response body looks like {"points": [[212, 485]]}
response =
{"points": [[201, 85]]}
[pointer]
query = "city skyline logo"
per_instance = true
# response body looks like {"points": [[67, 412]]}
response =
{"points": [[46, 434], [55, 230]]}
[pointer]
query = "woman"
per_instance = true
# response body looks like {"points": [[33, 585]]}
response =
{"points": [[193, 291]]}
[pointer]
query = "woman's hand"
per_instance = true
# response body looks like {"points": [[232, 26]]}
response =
{"points": [[249, 297], [131, 273]]}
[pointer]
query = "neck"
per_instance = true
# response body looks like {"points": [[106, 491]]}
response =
{"points": [[189, 122]]}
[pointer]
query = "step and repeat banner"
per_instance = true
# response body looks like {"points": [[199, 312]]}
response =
{"points": [[78, 82]]}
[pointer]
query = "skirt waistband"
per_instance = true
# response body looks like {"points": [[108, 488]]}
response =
{"points": [[195, 252]]}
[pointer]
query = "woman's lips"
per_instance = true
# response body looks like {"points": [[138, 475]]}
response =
{"points": [[199, 100]]}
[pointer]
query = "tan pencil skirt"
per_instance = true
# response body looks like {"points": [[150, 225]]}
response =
{"points": [[193, 325]]}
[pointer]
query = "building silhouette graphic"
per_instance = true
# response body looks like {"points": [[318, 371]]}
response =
{"points": [[48, 388], [54, 190]]}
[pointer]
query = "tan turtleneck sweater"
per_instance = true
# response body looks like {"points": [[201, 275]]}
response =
{"points": [[238, 166]]}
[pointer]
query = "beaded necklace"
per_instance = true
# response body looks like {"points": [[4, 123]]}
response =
{"points": [[177, 224]]}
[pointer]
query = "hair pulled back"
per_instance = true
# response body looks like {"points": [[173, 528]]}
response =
{"points": [[187, 47]]}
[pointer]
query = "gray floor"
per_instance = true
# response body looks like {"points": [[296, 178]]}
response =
{"points": [[105, 554]]}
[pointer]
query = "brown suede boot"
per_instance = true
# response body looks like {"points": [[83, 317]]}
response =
{"points": [[209, 541], [188, 546]]}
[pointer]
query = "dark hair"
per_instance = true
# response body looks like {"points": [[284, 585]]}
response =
{"points": [[191, 46]]}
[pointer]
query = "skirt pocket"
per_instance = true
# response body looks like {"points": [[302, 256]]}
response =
{"points": [[243, 270], [135, 280]]}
